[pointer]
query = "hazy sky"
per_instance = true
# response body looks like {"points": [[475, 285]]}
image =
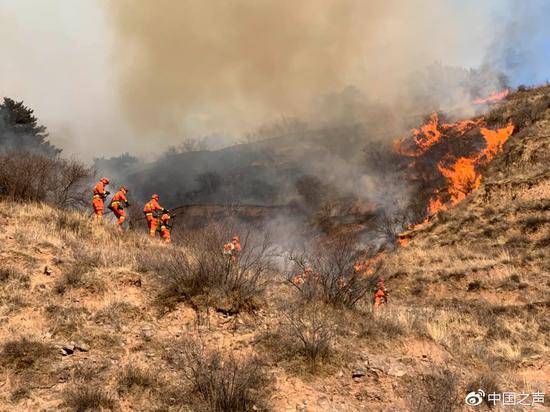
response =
{"points": [[114, 76], [57, 57]]}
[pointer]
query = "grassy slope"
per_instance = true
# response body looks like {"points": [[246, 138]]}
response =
{"points": [[469, 295]]}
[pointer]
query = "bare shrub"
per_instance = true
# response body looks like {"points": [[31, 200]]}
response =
{"points": [[438, 392], [327, 272], [311, 331], [224, 383], [88, 397], [134, 377], [203, 271], [35, 177], [25, 354]]}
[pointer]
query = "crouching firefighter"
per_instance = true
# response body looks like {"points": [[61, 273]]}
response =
{"points": [[166, 227], [153, 211], [118, 203], [99, 196]]}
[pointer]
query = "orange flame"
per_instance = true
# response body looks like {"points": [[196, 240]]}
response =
{"points": [[495, 139], [462, 178], [403, 241], [461, 173], [435, 205], [495, 97]]}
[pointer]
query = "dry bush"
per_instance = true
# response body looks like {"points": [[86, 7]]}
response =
{"points": [[132, 377], [25, 354], [78, 277], [203, 273], [311, 331], [224, 383], [438, 391], [13, 282], [35, 177], [88, 397], [303, 342], [488, 382], [333, 278]]}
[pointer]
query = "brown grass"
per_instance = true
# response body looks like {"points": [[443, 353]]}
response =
{"points": [[88, 397], [25, 354]]}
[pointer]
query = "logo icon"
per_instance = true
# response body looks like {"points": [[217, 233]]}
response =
{"points": [[475, 398]]}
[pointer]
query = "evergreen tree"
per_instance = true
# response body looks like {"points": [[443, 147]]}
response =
{"points": [[19, 130]]}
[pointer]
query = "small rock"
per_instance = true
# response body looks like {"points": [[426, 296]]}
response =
{"points": [[358, 373], [47, 271], [68, 349]]}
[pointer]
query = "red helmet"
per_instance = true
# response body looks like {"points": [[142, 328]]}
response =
{"points": [[155, 196], [235, 239], [104, 180], [123, 188]]}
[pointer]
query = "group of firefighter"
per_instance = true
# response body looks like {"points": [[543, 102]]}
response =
{"points": [[158, 220], [157, 217]]}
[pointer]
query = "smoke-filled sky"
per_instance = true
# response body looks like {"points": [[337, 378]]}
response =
{"points": [[138, 75]]}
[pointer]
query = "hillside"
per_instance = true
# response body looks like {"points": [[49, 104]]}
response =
{"points": [[264, 172], [92, 317]]}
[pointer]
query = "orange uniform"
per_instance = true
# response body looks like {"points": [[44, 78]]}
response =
{"points": [[149, 210], [232, 249], [99, 195], [165, 228], [118, 203], [381, 295]]}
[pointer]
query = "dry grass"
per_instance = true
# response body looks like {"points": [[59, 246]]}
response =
{"points": [[78, 276], [88, 397], [24, 353], [135, 378], [66, 321], [117, 313]]}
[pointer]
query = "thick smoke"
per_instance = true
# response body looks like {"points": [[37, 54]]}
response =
{"points": [[191, 67]]}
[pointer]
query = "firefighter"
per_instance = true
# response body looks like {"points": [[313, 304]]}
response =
{"points": [[342, 283], [232, 249], [305, 276], [118, 203], [99, 196], [381, 294], [165, 227], [151, 210]]}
